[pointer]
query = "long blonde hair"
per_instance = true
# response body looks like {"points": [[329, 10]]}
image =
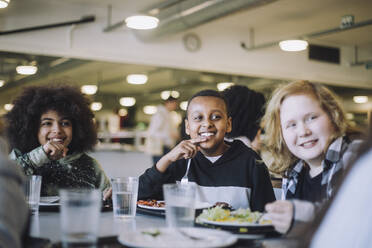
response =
{"points": [[273, 141]]}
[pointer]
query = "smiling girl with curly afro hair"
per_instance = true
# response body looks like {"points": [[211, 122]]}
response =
{"points": [[50, 129]]}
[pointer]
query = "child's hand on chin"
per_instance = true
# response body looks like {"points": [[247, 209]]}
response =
{"points": [[55, 150]]}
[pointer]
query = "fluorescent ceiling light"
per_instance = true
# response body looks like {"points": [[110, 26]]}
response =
{"points": [[142, 22], [137, 78], [123, 112], [89, 89], [26, 69], [96, 106], [4, 3], [8, 106], [183, 105], [2, 82], [224, 85], [127, 101], [167, 93], [293, 45], [360, 99], [150, 109]]}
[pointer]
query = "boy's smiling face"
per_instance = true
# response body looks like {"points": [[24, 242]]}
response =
{"points": [[207, 117]]}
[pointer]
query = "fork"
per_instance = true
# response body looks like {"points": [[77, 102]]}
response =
{"points": [[185, 178]]}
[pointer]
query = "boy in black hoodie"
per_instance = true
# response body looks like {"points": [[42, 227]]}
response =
{"points": [[224, 172]]}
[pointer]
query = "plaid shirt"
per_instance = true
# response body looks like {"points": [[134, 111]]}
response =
{"points": [[338, 155]]}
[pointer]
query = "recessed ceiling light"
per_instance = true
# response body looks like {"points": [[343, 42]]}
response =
{"points": [[150, 109], [26, 69], [2, 82], [4, 3], [96, 106], [123, 112], [224, 85], [142, 22], [167, 93], [360, 99], [8, 106], [137, 78], [183, 105], [89, 89], [127, 101], [293, 45]]}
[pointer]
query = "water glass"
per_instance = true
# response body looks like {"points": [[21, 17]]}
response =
{"points": [[124, 196], [179, 204], [32, 192], [80, 211]]}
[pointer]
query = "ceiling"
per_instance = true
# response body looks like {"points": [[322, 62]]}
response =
{"points": [[268, 23]]}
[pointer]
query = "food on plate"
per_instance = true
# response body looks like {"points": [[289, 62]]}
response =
{"points": [[224, 205], [152, 203], [241, 215], [152, 233]]}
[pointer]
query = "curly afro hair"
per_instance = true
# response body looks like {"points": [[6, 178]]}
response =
{"points": [[246, 108], [23, 121]]}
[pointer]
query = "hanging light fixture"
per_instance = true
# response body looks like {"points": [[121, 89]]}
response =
{"points": [[96, 106], [293, 45], [150, 109], [29, 69], [360, 99], [141, 22], [4, 3], [224, 85], [127, 101], [8, 106], [89, 89], [183, 105], [137, 78]]}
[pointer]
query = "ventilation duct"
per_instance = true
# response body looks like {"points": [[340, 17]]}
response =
{"points": [[178, 16]]}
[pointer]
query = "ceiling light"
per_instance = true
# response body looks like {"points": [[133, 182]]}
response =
{"points": [[127, 101], [224, 85], [360, 99], [167, 93], [175, 94], [8, 106], [123, 112], [183, 105], [142, 22], [4, 3], [150, 109], [26, 69], [95, 106], [137, 78], [2, 82], [89, 89], [293, 45]]}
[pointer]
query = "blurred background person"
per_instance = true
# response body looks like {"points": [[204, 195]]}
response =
{"points": [[163, 133], [246, 109], [13, 210]]}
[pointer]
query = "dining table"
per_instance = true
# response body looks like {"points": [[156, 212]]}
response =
{"points": [[45, 228]]}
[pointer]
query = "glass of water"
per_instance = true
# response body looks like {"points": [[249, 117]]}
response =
{"points": [[32, 191], [124, 196], [180, 204], [80, 211]]}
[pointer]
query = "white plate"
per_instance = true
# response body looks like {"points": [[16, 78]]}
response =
{"points": [[170, 238], [198, 205], [150, 207], [231, 223], [49, 201]]}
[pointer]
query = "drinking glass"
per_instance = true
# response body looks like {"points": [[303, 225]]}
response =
{"points": [[32, 192], [179, 204], [80, 211], [124, 196]]}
